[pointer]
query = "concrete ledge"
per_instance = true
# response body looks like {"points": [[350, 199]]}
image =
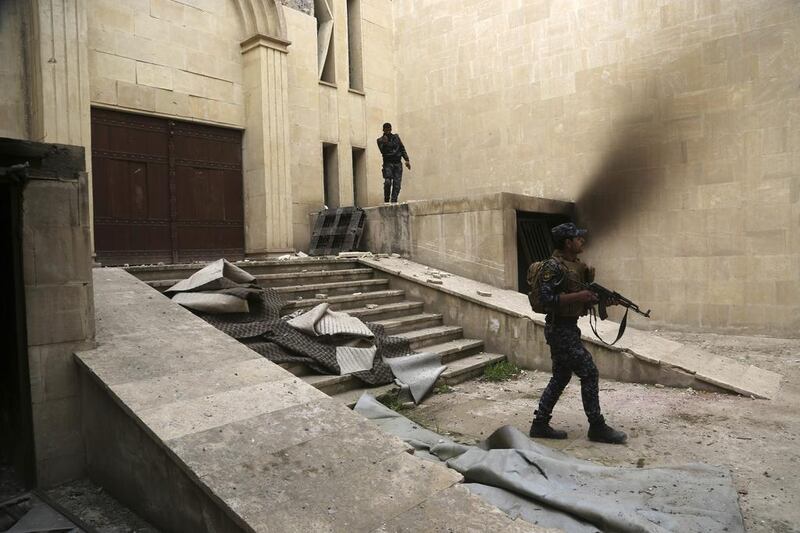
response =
{"points": [[507, 325], [473, 236], [196, 432]]}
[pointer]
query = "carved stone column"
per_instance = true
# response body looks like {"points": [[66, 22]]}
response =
{"points": [[267, 184], [58, 78]]}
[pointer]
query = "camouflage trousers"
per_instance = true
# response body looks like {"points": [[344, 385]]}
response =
{"points": [[569, 356], [392, 178]]}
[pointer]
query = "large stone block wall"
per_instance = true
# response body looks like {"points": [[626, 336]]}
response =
{"points": [[672, 125], [60, 311], [13, 116], [168, 57]]}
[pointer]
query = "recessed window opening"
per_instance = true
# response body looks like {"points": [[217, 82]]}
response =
{"points": [[354, 50], [330, 174], [325, 56], [359, 177]]}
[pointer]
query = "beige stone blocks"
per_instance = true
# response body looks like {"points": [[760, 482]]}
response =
{"points": [[168, 10], [172, 103], [167, 57], [696, 97], [153, 75], [135, 96], [110, 66]]}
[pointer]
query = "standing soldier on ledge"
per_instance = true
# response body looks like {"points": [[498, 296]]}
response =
{"points": [[562, 294], [393, 151]]}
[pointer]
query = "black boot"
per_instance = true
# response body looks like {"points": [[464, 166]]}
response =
{"points": [[541, 429], [601, 432]]}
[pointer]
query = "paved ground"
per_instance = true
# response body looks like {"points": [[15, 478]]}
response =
{"points": [[97, 509], [758, 439]]}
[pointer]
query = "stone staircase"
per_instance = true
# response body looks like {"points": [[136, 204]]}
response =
{"points": [[352, 287]]}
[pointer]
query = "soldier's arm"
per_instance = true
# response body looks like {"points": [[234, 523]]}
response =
{"points": [[403, 153], [550, 287]]}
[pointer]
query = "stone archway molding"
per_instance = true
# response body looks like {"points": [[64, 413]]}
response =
{"points": [[262, 17]]}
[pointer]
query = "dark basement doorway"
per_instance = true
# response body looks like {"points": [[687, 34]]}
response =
{"points": [[534, 241]]}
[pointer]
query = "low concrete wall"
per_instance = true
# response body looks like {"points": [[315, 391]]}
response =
{"points": [[504, 323], [474, 237], [128, 463]]}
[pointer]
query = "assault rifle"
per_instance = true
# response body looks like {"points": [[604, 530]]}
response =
{"points": [[604, 298]]}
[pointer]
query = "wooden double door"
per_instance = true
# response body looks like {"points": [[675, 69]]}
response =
{"points": [[165, 190]]}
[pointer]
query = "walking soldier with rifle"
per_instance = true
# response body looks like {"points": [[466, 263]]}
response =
{"points": [[563, 288]]}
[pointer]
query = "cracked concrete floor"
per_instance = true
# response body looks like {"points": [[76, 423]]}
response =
{"points": [[759, 440]]}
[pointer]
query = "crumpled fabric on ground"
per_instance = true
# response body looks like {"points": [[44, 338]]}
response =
{"points": [[328, 342], [217, 275], [321, 320], [261, 329], [352, 359], [219, 287], [417, 373], [550, 488]]}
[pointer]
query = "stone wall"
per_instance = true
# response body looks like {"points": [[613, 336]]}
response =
{"points": [[168, 57], [59, 302], [672, 126], [306, 6], [474, 237], [13, 116]]}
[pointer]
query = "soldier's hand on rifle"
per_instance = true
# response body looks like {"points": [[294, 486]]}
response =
{"points": [[586, 296]]}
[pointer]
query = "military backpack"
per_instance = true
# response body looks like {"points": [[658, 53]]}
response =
{"points": [[535, 284]]}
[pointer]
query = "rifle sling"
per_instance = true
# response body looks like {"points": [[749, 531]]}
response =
{"points": [[593, 323]]}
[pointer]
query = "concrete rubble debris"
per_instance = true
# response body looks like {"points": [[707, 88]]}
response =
{"points": [[372, 306], [320, 296], [434, 281], [354, 255], [395, 255], [484, 293], [295, 255]]}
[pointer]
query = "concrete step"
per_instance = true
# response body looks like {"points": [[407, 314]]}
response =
{"points": [[334, 289], [430, 336], [332, 384], [457, 372], [350, 397], [393, 326], [469, 367], [455, 349], [385, 311], [350, 301], [283, 279], [448, 351], [183, 271]]}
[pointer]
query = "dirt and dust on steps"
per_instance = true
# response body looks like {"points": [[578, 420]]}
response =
{"points": [[757, 439]]}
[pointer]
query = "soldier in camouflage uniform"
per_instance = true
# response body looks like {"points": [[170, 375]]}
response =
{"points": [[566, 300], [393, 151]]}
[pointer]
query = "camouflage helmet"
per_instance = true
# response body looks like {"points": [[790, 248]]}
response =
{"points": [[566, 231]]}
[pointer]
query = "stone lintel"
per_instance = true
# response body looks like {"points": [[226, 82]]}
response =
{"points": [[267, 41]]}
